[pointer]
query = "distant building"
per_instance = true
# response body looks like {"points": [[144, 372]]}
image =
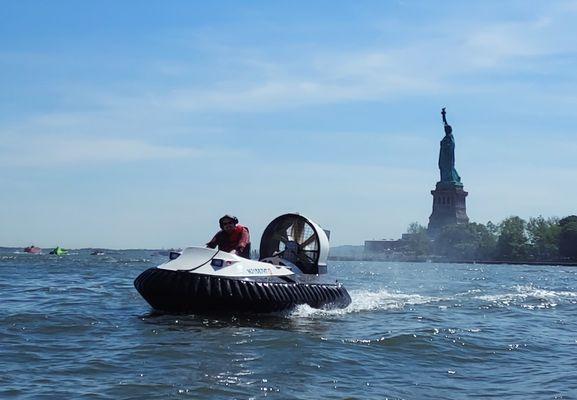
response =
{"points": [[390, 249], [381, 246]]}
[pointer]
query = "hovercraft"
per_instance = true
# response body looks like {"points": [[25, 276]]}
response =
{"points": [[293, 254]]}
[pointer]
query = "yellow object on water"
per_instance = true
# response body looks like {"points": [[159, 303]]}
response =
{"points": [[59, 251]]}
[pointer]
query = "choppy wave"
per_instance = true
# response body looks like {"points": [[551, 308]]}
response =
{"points": [[75, 326], [366, 300], [530, 297]]}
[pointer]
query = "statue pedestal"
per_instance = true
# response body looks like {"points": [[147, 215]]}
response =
{"points": [[449, 206]]}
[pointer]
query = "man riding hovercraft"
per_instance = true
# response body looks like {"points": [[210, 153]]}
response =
{"points": [[233, 237]]}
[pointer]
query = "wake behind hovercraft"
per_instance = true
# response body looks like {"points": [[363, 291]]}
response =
{"points": [[293, 254]]}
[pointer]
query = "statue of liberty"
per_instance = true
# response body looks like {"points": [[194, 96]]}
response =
{"points": [[447, 156]]}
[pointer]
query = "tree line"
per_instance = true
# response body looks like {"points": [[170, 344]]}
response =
{"points": [[513, 239]]}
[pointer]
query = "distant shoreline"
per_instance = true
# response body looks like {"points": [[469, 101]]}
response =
{"points": [[489, 262], [371, 259]]}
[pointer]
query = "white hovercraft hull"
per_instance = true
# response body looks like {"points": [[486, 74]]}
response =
{"points": [[205, 280]]}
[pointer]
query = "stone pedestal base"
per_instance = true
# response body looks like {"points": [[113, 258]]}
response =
{"points": [[449, 206]]}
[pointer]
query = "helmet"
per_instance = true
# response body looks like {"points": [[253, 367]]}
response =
{"points": [[225, 217]]}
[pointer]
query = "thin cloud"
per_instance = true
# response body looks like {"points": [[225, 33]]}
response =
{"points": [[64, 151], [425, 66], [435, 61]]}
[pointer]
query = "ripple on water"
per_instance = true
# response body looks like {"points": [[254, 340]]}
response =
{"points": [[529, 297], [74, 327]]}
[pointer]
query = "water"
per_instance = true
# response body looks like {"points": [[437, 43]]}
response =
{"points": [[75, 327]]}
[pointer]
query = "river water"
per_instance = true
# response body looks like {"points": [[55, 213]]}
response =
{"points": [[75, 327]]}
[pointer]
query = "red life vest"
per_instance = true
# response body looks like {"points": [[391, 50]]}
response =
{"points": [[238, 239]]}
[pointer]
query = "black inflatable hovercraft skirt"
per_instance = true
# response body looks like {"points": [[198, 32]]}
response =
{"points": [[181, 291]]}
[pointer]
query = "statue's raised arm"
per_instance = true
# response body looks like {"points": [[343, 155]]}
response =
{"points": [[448, 129]]}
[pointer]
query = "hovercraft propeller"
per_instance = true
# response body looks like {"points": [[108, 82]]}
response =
{"points": [[298, 240]]}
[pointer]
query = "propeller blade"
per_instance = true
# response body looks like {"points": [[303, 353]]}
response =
{"points": [[310, 240], [298, 230], [281, 237], [285, 225]]}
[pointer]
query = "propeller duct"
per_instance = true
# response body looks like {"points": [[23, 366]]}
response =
{"points": [[297, 239]]}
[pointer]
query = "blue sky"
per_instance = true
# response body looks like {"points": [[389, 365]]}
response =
{"points": [[138, 123]]}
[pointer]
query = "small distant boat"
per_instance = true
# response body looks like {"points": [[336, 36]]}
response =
{"points": [[33, 250], [97, 253], [59, 251]]}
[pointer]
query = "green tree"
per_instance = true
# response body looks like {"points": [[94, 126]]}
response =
{"points": [[493, 228], [544, 238], [487, 242], [418, 241], [415, 227], [568, 237], [471, 241], [512, 244]]}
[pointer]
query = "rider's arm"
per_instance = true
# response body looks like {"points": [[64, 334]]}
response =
{"points": [[244, 241], [213, 242]]}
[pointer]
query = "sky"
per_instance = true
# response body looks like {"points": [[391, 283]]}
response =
{"points": [[137, 124]]}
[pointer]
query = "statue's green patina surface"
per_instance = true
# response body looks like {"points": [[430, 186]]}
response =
{"points": [[449, 175]]}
